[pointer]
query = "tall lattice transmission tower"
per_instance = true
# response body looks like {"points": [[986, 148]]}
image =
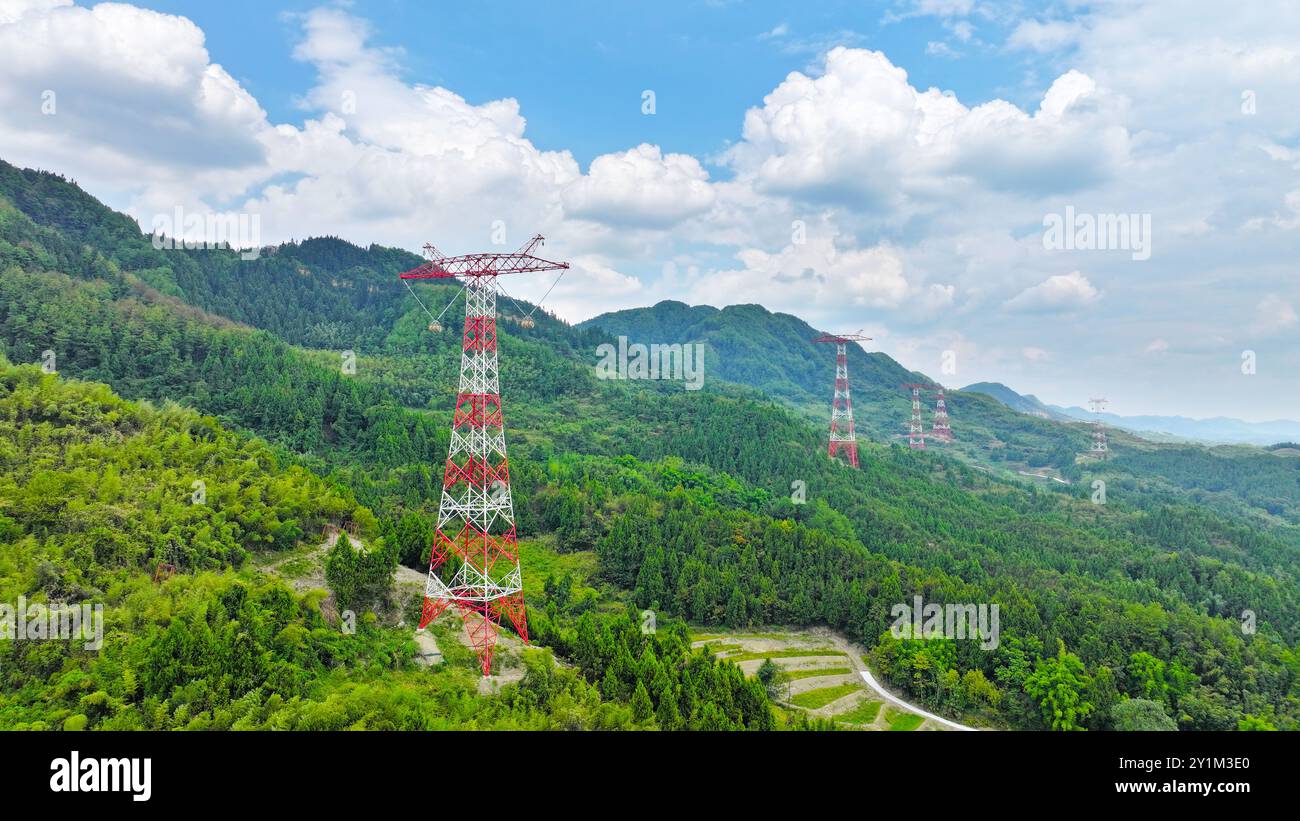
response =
{"points": [[940, 429], [476, 517], [915, 427], [1099, 449], [843, 437]]}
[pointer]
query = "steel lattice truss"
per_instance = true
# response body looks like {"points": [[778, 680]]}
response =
{"points": [[940, 428], [1099, 447], [843, 437], [474, 560], [482, 265], [916, 428]]}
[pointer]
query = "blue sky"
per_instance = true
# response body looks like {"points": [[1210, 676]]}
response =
{"points": [[707, 62], [892, 166]]}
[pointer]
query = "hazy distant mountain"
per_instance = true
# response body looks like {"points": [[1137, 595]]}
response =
{"points": [[1218, 429]]}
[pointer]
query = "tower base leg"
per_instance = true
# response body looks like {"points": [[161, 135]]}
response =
{"points": [[431, 609], [512, 607], [850, 447], [481, 620]]}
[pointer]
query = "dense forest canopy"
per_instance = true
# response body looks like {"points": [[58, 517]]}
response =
{"points": [[683, 498]]}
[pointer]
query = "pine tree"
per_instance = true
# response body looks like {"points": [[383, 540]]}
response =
{"points": [[736, 609], [642, 709], [609, 686], [667, 716]]}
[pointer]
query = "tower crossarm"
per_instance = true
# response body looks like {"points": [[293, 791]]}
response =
{"points": [[840, 339], [522, 261]]}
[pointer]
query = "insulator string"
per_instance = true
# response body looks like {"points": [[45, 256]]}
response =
{"points": [[426, 310]]}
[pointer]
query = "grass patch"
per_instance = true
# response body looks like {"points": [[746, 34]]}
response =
{"points": [[864, 713], [814, 672], [772, 636], [718, 647], [742, 635], [786, 654], [540, 559], [297, 568], [905, 722], [814, 699], [455, 655], [273, 559]]}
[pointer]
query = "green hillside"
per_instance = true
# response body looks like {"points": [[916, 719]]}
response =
{"points": [[774, 353], [996, 428], [97, 491], [683, 498]]}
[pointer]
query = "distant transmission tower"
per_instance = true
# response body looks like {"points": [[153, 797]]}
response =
{"points": [[476, 518], [1099, 448], [843, 436], [916, 428], [940, 429]]}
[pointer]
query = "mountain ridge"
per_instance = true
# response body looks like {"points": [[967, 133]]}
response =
{"points": [[683, 500]]}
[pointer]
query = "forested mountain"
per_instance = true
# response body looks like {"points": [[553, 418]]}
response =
{"points": [[749, 345], [995, 427], [682, 497], [774, 353]]}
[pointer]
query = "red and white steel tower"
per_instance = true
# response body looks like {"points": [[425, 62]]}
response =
{"points": [[916, 428], [1099, 448], [476, 517], [940, 429], [843, 436]]}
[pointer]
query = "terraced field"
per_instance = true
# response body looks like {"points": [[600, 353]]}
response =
{"points": [[823, 676]]}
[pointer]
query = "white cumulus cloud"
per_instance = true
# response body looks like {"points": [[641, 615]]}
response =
{"points": [[861, 134], [814, 277], [1063, 292], [641, 186]]}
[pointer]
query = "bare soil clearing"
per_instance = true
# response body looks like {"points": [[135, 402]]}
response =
{"points": [[304, 569]]}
